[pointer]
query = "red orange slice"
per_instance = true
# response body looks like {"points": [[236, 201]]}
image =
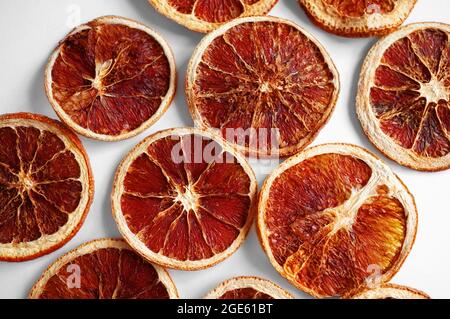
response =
{"points": [[391, 291]]}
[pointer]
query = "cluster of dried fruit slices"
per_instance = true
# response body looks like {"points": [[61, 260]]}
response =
{"points": [[328, 218]]}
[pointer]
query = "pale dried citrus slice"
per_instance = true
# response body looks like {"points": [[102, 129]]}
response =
{"points": [[103, 269], [358, 18], [391, 291], [184, 199], [265, 83], [111, 78], [207, 15], [403, 99], [46, 186], [248, 288], [333, 217]]}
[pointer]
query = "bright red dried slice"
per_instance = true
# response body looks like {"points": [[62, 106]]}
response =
{"points": [[46, 186], [207, 15], [265, 83], [390, 291], [183, 198], [103, 269], [248, 288], [358, 18], [403, 101], [332, 217], [111, 79]]}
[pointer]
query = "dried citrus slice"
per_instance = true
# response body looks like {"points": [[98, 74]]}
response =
{"points": [[403, 100], [207, 15], [248, 288], [46, 186], [111, 79], [184, 199], [333, 217], [358, 18], [266, 83], [391, 291], [103, 269]]}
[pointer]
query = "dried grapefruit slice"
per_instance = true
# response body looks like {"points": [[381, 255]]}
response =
{"points": [[266, 83], [184, 199], [391, 291], [358, 18], [332, 217], [207, 15], [403, 100], [103, 269], [46, 186], [248, 288], [111, 79]]}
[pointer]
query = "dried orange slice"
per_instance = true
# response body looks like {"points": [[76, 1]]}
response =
{"points": [[391, 291], [103, 269], [46, 186], [265, 83], [207, 15], [111, 79], [358, 18], [184, 199], [403, 99], [248, 288], [333, 217]]}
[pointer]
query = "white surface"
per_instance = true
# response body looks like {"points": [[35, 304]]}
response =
{"points": [[29, 30]]}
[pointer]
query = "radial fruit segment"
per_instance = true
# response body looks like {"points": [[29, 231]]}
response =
{"points": [[404, 96], [391, 291], [207, 15], [334, 218], [358, 18], [264, 83], [103, 269], [184, 199], [46, 186], [111, 78], [248, 288]]}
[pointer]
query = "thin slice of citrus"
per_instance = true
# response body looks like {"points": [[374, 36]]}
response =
{"points": [[111, 78], [333, 218], [46, 186], [184, 199], [403, 99], [358, 18], [207, 15], [248, 288], [391, 291], [103, 269], [265, 83]]}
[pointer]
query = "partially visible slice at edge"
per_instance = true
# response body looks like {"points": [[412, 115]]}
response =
{"points": [[390, 291]]}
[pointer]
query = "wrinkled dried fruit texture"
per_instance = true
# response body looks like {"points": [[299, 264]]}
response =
{"points": [[410, 96], [329, 227], [359, 8], [110, 78], [39, 184], [108, 273], [214, 11], [185, 198], [245, 293], [266, 76]]}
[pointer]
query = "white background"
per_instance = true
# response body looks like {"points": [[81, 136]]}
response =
{"points": [[29, 31]]}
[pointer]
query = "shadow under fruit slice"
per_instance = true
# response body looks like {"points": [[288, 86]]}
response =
{"points": [[248, 288], [103, 269], [111, 79], [266, 84], [46, 186], [207, 15], [184, 199], [358, 18], [334, 217], [390, 291], [403, 100]]}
